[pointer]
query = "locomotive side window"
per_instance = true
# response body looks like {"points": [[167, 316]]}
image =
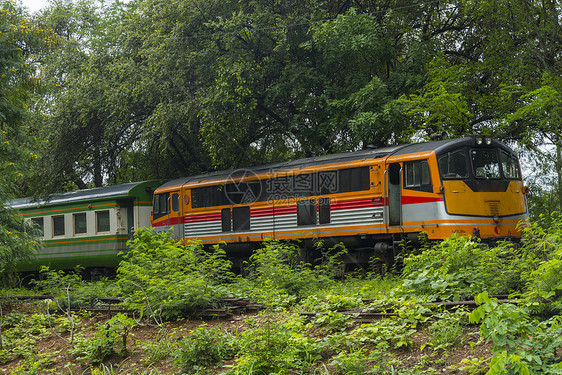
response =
{"points": [[416, 175], [306, 212], [226, 222], [238, 193], [241, 218], [39, 224], [510, 166], [79, 223], [277, 188], [280, 188], [354, 179], [208, 196], [161, 205], [58, 225], [453, 165], [485, 163], [102, 221], [324, 210], [175, 202]]}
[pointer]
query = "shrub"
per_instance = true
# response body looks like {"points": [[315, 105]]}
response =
{"points": [[521, 344], [62, 286], [544, 240], [162, 276], [447, 331], [276, 345], [277, 276], [204, 347], [103, 344], [459, 267]]}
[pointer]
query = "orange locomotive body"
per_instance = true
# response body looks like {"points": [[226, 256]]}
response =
{"points": [[368, 199]]}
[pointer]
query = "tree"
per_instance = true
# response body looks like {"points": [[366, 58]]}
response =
{"points": [[184, 87], [498, 74], [19, 41], [168, 88]]}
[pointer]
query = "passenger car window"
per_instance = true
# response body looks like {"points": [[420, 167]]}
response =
{"points": [[102, 221], [58, 225], [80, 223], [38, 223]]}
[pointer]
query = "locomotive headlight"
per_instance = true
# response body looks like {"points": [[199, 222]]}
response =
{"points": [[479, 140], [488, 140]]}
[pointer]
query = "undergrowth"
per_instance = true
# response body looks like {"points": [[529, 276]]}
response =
{"points": [[165, 280]]}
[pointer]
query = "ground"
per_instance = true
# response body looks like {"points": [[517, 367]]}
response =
{"points": [[53, 355]]}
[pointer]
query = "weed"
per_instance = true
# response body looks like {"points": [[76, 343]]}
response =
{"points": [[156, 351], [459, 267], [204, 347], [277, 277], [446, 332], [102, 345], [108, 370], [334, 321], [520, 344], [276, 344], [161, 276], [355, 362]]}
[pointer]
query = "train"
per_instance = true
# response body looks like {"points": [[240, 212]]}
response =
{"points": [[87, 227], [373, 201]]}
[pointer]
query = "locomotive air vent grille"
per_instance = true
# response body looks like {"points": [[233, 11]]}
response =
{"points": [[493, 207]]}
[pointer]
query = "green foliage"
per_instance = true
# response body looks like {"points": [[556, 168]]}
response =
{"points": [[446, 331], [163, 277], [334, 321], [543, 239], [20, 334], [357, 54], [459, 267], [36, 364], [276, 344], [20, 40], [521, 344], [355, 362], [385, 334], [203, 348], [108, 370], [103, 344], [229, 81], [277, 276], [156, 351], [62, 285]]}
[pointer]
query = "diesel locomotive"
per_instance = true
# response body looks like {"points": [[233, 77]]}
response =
{"points": [[371, 200]]}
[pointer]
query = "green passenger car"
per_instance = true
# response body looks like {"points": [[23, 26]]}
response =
{"points": [[88, 227]]}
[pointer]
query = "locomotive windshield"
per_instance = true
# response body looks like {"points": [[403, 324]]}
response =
{"points": [[485, 163], [454, 165], [479, 163]]}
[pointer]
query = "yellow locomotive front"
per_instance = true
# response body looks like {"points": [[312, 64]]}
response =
{"points": [[482, 189]]}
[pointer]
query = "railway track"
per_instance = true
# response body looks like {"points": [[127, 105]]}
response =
{"points": [[111, 306], [237, 306]]}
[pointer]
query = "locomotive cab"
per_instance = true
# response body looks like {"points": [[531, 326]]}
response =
{"points": [[481, 179]]}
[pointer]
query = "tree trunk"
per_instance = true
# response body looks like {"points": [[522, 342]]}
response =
{"points": [[559, 174]]}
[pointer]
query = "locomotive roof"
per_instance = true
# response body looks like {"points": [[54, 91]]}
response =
{"points": [[383, 152], [115, 191], [292, 164]]}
